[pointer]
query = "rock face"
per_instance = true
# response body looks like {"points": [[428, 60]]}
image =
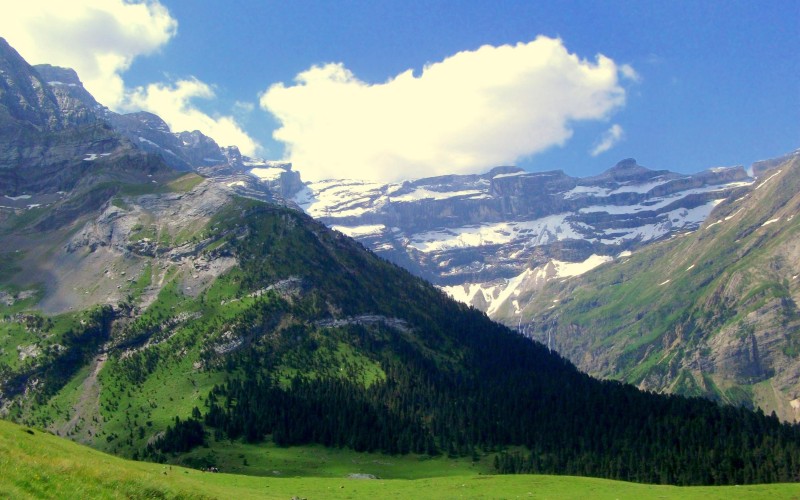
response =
{"points": [[24, 96], [88, 193], [713, 313], [478, 235], [50, 135]]}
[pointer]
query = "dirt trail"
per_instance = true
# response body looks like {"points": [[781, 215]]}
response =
{"points": [[87, 407]]}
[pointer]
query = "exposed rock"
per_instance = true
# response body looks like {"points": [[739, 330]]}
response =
{"points": [[488, 230]]}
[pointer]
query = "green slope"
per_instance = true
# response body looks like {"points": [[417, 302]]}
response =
{"points": [[712, 313], [36, 464], [310, 339]]}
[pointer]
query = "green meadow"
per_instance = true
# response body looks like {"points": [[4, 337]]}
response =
{"points": [[36, 464]]}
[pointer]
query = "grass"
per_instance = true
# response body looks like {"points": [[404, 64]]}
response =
{"points": [[31, 330], [267, 459], [38, 465], [185, 183]]}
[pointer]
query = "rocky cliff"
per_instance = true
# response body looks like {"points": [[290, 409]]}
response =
{"points": [[481, 236], [712, 313]]}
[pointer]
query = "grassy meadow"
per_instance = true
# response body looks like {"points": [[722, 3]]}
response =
{"points": [[36, 464]]}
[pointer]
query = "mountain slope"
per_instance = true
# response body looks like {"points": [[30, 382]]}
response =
{"points": [[711, 313], [151, 313], [305, 325]]}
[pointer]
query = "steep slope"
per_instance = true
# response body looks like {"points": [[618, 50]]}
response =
{"points": [[477, 236], [711, 313]]}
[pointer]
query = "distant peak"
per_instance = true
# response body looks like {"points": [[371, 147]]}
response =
{"points": [[57, 74], [504, 170], [626, 164]]}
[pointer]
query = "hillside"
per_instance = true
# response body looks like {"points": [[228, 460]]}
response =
{"points": [[304, 325], [158, 315], [36, 464], [711, 313]]}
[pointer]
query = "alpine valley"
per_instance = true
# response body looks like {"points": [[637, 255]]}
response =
{"points": [[164, 299]]}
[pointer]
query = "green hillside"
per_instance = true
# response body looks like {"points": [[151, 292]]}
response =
{"points": [[36, 464], [310, 339], [712, 313]]}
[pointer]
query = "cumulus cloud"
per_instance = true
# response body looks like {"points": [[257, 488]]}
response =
{"points": [[100, 40], [173, 103], [471, 111], [97, 38], [608, 140]]}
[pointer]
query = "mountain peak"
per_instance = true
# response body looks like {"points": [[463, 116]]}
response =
{"points": [[626, 163], [58, 75], [23, 92], [624, 171], [504, 170]]}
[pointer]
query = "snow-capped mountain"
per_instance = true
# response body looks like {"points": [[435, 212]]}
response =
{"points": [[485, 238]]}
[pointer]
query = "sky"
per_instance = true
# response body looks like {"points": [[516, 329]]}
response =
{"points": [[393, 90]]}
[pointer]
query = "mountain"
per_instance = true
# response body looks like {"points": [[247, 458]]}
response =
{"points": [[183, 151], [711, 313], [479, 236], [159, 314]]}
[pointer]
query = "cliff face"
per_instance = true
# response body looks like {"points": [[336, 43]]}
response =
{"points": [[482, 236], [713, 313]]}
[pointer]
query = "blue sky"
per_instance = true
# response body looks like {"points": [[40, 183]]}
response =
{"points": [[692, 84]]}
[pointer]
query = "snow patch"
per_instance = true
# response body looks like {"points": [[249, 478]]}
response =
{"points": [[626, 253], [568, 269], [20, 197], [771, 221], [586, 190], [359, 231], [90, 157], [267, 174], [513, 174], [466, 293], [506, 293], [767, 180], [664, 283], [731, 216], [427, 194], [537, 232], [690, 267]]}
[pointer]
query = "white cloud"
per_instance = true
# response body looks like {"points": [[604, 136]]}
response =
{"points": [[243, 107], [97, 38], [100, 39], [608, 140], [173, 103], [630, 73], [471, 111]]}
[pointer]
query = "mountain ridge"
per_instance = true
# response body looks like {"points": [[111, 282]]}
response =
{"points": [[724, 319]]}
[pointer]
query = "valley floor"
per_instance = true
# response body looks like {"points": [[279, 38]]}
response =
{"points": [[36, 464]]}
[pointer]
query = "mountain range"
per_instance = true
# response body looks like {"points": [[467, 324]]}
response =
{"points": [[710, 313], [163, 299]]}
